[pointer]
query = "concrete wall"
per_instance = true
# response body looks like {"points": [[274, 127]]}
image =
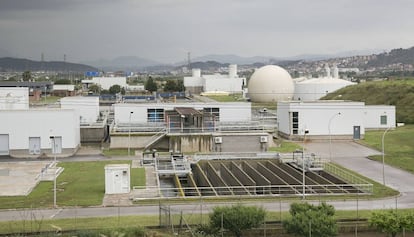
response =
{"points": [[20, 125], [240, 143], [92, 134], [190, 143], [87, 107], [373, 113]]}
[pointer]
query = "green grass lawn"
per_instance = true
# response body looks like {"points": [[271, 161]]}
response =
{"points": [[285, 147], [225, 98], [398, 146], [80, 184]]}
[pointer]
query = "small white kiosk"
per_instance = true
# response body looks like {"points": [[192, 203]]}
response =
{"points": [[117, 178]]}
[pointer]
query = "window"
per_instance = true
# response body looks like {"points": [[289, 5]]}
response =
{"points": [[295, 122], [213, 111], [383, 119], [155, 115]]}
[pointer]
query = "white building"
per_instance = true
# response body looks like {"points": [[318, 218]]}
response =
{"points": [[105, 82], [230, 83], [14, 98], [316, 88], [339, 119], [155, 112], [117, 178], [87, 107], [28, 132]]}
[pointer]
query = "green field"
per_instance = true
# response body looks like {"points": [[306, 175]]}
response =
{"points": [[398, 146], [80, 184]]}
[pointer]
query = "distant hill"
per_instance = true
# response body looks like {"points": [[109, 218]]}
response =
{"points": [[19, 64], [396, 92], [404, 56], [123, 63], [233, 59]]}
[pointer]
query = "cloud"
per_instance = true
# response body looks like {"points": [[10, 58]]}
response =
{"points": [[167, 29]]}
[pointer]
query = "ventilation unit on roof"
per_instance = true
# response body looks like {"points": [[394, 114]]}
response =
{"points": [[263, 139], [218, 140]]}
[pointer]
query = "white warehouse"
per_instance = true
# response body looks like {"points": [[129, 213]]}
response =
{"points": [[336, 119], [105, 82], [27, 133], [230, 83]]}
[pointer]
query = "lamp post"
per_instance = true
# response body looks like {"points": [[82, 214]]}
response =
{"points": [[303, 163], [383, 155], [330, 136], [129, 133], [54, 151]]}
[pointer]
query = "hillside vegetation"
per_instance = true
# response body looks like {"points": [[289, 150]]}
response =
{"points": [[392, 92]]}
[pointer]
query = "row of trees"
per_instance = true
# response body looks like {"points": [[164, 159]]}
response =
{"points": [[170, 85], [305, 220]]}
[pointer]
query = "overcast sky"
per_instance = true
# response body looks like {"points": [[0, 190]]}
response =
{"points": [[165, 30]]}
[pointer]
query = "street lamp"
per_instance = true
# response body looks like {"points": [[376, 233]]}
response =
{"points": [[129, 132], [54, 151], [303, 163], [330, 137], [383, 155]]}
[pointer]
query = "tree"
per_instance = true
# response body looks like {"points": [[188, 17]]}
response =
{"points": [[95, 88], [310, 220], [63, 82], [180, 85], [27, 75], [237, 218], [150, 85], [114, 89], [392, 222], [170, 86]]}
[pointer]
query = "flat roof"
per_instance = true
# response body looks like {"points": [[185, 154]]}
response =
{"points": [[187, 111]]}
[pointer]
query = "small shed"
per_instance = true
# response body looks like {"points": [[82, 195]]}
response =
{"points": [[117, 178]]}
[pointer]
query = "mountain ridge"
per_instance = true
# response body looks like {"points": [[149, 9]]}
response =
{"points": [[22, 64]]}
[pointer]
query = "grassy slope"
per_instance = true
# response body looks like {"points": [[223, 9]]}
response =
{"points": [[396, 92], [398, 146]]}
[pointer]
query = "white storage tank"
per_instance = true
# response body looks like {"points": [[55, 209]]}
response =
{"points": [[270, 83], [117, 178], [233, 71]]}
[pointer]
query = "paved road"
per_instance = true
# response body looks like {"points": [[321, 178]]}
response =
{"points": [[348, 154]]}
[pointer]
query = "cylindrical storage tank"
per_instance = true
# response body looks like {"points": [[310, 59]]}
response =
{"points": [[232, 70], [316, 88], [270, 84], [335, 72], [196, 72]]}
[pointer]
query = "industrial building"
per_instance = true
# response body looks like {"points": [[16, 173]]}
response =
{"points": [[316, 88], [87, 107], [105, 82], [28, 133], [188, 127], [336, 119], [231, 83], [14, 98]]}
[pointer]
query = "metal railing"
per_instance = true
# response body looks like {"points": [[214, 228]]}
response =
{"points": [[352, 179], [259, 191]]}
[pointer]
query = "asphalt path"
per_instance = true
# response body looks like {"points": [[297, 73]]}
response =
{"points": [[348, 154]]}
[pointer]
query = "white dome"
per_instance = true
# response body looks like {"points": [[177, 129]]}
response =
{"points": [[270, 84]]}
